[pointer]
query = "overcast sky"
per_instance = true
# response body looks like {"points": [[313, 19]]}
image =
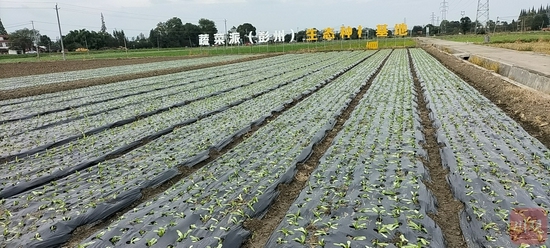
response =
{"points": [[140, 16]]}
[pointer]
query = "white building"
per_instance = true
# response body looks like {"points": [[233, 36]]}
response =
{"points": [[4, 47]]}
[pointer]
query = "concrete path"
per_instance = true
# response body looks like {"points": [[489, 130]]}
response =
{"points": [[538, 63]]}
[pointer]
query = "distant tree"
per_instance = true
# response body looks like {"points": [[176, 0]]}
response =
{"points": [[354, 34], [465, 24], [141, 42], [208, 27], [190, 35], [2, 29], [245, 29], [44, 40], [539, 21], [454, 27], [103, 27], [89, 39], [120, 37], [417, 31], [154, 37], [21, 39], [301, 36], [432, 29], [174, 32]]}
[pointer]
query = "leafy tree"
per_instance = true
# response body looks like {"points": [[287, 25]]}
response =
{"points": [[21, 39], [354, 34], [44, 40], [154, 37], [453, 27], [245, 29], [301, 36], [120, 38], [89, 39], [190, 35], [2, 29], [417, 30], [174, 31], [465, 24], [433, 29], [208, 27]]}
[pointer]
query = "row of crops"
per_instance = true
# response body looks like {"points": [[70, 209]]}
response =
{"points": [[59, 77], [89, 190], [495, 165], [77, 157]]}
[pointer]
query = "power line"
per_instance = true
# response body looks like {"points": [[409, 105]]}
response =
{"points": [[23, 8]]}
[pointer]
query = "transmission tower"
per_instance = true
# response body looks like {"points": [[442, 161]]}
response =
{"points": [[482, 14], [444, 6], [463, 13], [433, 19]]}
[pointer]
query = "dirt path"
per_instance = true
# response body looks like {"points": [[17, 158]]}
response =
{"points": [[448, 207], [528, 107]]}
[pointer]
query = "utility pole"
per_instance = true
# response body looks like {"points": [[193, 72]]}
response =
{"points": [[60, 34], [225, 25], [35, 40], [482, 14]]}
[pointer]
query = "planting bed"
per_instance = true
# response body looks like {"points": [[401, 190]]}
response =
{"points": [[495, 165], [50, 78], [368, 190], [188, 159]]}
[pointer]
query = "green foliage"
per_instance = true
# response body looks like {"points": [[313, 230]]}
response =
{"points": [[245, 29], [2, 29], [21, 39], [465, 24]]}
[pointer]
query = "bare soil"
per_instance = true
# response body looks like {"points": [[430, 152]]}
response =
{"points": [[448, 208], [530, 108]]}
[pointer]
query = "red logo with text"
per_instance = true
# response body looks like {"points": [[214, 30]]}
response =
{"points": [[528, 226]]}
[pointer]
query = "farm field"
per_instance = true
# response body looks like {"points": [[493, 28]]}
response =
{"points": [[166, 53], [537, 42], [195, 158]]}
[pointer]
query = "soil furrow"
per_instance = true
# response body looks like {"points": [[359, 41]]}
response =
{"points": [[261, 229], [85, 231], [448, 208]]}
